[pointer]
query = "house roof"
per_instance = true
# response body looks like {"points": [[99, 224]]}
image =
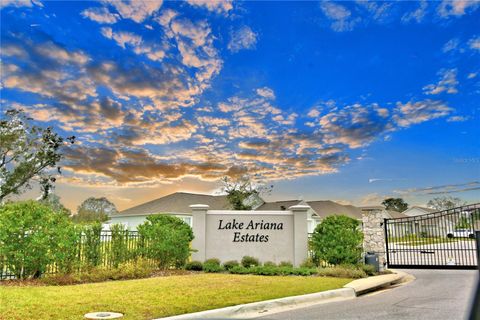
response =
{"points": [[278, 205], [178, 202], [395, 214], [327, 208], [426, 210]]}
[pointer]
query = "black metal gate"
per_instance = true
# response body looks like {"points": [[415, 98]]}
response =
{"points": [[440, 240]]}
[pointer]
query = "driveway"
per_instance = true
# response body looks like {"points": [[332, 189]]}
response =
{"points": [[435, 295]]}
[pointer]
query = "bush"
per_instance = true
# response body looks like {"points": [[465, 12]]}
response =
{"points": [[308, 263], [194, 266], [239, 270], [341, 272], [92, 243], [265, 270], [130, 270], [119, 248], [30, 235], [168, 240], [368, 269], [338, 240], [248, 262], [212, 265], [304, 271], [230, 264], [285, 264], [269, 264]]}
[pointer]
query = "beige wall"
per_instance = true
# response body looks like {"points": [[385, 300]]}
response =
{"points": [[268, 245], [231, 235]]}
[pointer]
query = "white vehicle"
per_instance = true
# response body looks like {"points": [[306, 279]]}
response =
{"points": [[461, 233]]}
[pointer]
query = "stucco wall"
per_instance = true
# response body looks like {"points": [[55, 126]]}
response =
{"points": [[269, 245]]}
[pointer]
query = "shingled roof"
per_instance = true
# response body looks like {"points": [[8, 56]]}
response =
{"points": [[327, 208], [178, 202]]}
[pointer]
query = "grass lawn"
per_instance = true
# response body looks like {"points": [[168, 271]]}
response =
{"points": [[153, 297]]}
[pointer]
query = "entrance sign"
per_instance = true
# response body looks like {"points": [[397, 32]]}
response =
{"points": [[267, 235]]}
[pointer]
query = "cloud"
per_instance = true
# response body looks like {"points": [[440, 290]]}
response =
{"points": [[243, 38], [354, 125], [448, 83], [136, 10], [441, 189], [456, 8], [340, 15], [451, 45], [20, 3], [474, 43], [458, 119], [100, 15], [266, 93], [217, 6], [416, 15], [407, 114], [154, 52]]}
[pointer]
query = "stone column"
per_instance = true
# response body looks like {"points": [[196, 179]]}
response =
{"points": [[374, 234], [300, 233], [199, 227]]}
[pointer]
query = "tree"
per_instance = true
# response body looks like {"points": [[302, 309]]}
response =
{"points": [[239, 192], [53, 201], [168, 239], [445, 203], [94, 210], [32, 236], [337, 240], [396, 204], [27, 152]]}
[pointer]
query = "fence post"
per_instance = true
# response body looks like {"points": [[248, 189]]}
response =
{"points": [[373, 233], [477, 241]]}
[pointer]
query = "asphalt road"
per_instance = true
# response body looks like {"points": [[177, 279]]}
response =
{"points": [[435, 295]]}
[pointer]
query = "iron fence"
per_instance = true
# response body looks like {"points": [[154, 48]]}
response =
{"points": [[444, 239], [105, 250]]}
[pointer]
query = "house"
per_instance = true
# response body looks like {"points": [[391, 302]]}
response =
{"points": [[178, 203], [418, 211]]}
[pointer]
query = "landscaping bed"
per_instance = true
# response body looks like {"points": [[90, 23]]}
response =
{"points": [[154, 297]]}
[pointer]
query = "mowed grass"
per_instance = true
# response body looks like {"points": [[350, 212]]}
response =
{"points": [[153, 297]]}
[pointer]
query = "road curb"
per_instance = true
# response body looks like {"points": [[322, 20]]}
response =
{"points": [[361, 286], [256, 309]]}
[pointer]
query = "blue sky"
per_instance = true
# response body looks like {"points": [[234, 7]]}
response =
{"points": [[348, 101]]}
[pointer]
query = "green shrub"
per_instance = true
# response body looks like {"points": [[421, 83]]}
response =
{"points": [[68, 248], [119, 242], [368, 269], [265, 270], [304, 271], [285, 264], [212, 265], [30, 235], [341, 272], [194, 266], [239, 270], [248, 262], [338, 240], [168, 240], [230, 264], [91, 244], [308, 263], [128, 270], [269, 264]]}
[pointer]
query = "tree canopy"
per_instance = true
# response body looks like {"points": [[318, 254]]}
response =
{"points": [[27, 152], [240, 191], [444, 203], [94, 210], [396, 204]]}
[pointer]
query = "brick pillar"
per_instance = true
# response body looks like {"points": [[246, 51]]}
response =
{"points": [[199, 227], [374, 234], [300, 233]]}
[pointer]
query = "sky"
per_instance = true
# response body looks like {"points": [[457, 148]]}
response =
{"points": [[346, 101]]}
